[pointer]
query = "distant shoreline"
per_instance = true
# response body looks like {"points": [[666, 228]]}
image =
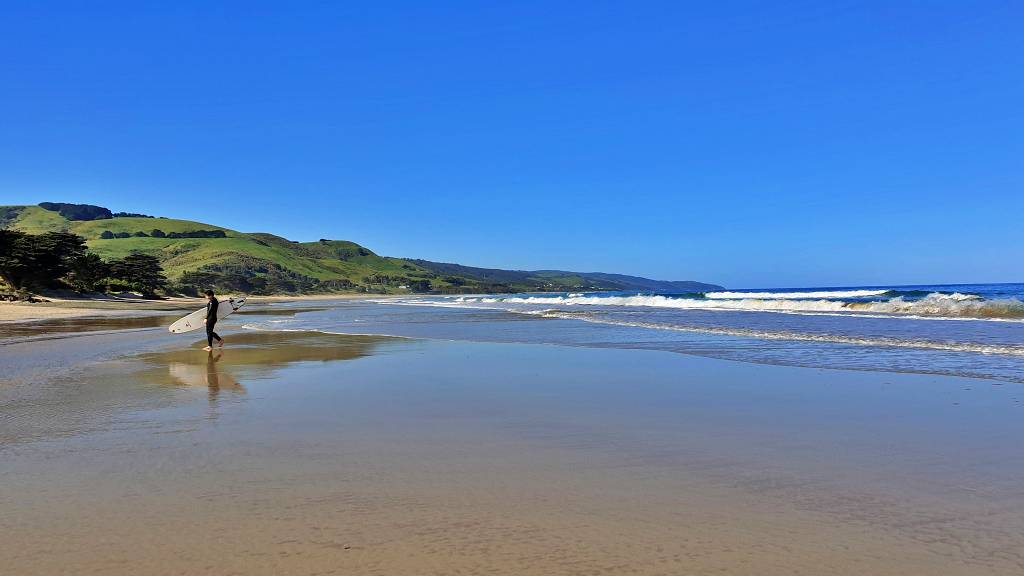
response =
{"points": [[61, 308]]}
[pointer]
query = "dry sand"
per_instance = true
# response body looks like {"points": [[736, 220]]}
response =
{"points": [[53, 308], [21, 312]]}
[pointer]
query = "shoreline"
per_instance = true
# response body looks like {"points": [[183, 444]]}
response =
{"points": [[66, 308], [58, 308]]}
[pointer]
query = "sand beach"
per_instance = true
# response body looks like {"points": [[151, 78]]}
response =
{"points": [[312, 453]]}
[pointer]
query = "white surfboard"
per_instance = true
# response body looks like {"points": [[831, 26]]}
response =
{"points": [[194, 321]]}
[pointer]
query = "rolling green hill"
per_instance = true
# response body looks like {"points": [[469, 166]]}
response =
{"points": [[562, 281], [258, 263], [262, 263]]}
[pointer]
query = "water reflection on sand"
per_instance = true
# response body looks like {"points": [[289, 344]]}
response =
{"points": [[99, 396], [210, 376], [253, 355], [260, 353]]}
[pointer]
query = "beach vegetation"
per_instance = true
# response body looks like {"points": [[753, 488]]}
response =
{"points": [[421, 286], [52, 260], [87, 273], [141, 271], [38, 261]]}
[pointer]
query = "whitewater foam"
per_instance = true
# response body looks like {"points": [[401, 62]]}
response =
{"points": [[815, 295], [935, 305]]}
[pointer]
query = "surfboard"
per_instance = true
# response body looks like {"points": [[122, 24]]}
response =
{"points": [[194, 321]]}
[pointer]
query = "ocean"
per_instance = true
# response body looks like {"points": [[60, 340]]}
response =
{"points": [[974, 330]]}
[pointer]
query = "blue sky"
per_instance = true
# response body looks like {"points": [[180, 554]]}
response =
{"points": [[753, 144]]}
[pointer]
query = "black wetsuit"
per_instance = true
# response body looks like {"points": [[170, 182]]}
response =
{"points": [[211, 321]]}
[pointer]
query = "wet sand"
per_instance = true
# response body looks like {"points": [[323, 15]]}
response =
{"points": [[306, 453]]}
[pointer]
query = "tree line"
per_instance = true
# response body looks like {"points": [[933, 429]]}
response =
{"points": [[77, 211], [158, 233], [53, 260], [80, 212]]}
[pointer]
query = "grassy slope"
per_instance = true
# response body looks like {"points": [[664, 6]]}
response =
{"points": [[327, 260], [560, 280], [332, 260], [93, 228], [35, 220]]}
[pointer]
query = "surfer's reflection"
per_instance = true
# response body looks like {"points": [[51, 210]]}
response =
{"points": [[209, 376]]}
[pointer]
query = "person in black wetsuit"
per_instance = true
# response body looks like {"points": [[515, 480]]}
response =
{"points": [[211, 321]]}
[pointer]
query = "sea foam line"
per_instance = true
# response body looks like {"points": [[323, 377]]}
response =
{"points": [[796, 336], [827, 294]]}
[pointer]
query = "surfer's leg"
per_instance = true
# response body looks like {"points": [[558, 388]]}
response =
{"points": [[211, 335]]}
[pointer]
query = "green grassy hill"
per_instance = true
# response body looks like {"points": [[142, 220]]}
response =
{"points": [[260, 263], [564, 281], [239, 261]]}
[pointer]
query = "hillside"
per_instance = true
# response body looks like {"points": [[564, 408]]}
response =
{"points": [[195, 254], [562, 280]]}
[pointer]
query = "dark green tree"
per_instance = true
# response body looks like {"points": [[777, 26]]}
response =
{"points": [[77, 211], [107, 235], [87, 272], [35, 261], [142, 271], [157, 233], [420, 286], [15, 261], [54, 253]]}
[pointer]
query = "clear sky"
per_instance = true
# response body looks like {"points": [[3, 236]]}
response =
{"points": [[752, 144]]}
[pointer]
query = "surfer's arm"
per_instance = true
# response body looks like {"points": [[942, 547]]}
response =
{"points": [[211, 311]]}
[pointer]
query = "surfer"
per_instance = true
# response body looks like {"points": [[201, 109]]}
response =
{"points": [[211, 321]]}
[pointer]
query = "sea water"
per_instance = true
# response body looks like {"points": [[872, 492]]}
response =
{"points": [[970, 330]]}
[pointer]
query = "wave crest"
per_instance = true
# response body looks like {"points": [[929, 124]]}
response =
{"points": [[934, 305], [816, 295]]}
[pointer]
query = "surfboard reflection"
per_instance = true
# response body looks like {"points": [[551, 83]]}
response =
{"points": [[210, 375], [252, 356]]}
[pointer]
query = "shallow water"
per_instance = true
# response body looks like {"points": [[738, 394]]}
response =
{"points": [[962, 346]]}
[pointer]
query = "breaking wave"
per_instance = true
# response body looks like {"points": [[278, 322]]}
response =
{"points": [[826, 294], [933, 305], [835, 294]]}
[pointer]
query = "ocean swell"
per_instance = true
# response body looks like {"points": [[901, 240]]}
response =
{"points": [[934, 305]]}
